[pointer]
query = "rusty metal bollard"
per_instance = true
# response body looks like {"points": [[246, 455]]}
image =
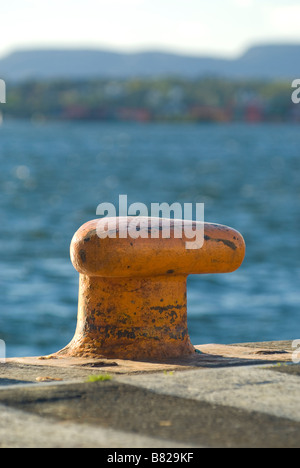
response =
{"points": [[133, 292]]}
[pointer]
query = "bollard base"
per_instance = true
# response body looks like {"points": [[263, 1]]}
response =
{"points": [[139, 351]]}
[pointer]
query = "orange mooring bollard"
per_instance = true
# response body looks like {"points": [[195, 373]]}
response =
{"points": [[133, 293]]}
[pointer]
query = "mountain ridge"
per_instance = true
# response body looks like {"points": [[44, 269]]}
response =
{"points": [[269, 61]]}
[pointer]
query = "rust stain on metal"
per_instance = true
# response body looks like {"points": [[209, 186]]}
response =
{"points": [[82, 254], [133, 292], [227, 242]]}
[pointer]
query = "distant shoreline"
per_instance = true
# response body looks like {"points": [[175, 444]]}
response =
{"points": [[205, 100]]}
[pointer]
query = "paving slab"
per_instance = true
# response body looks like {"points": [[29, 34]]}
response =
{"points": [[257, 388], [19, 429]]}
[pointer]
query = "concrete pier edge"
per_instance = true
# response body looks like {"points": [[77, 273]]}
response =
{"points": [[239, 395]]}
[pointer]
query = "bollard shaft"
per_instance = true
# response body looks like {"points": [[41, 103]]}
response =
{"points": [[131, 317]]}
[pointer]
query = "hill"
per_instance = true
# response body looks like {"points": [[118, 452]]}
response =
{"points": [[259, 62]]}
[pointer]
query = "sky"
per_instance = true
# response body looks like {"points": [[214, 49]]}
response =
{"points": [[198, 27]]}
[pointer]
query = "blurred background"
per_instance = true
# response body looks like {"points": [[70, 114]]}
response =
{"points": [[166, 102]]}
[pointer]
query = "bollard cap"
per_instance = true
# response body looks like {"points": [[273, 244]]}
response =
{"points": [[106, 248]]}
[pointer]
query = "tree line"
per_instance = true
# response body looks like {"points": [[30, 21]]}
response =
{"points": [[209, 99]]}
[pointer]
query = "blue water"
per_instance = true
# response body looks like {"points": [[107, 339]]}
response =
{"points": [[53, 176]]}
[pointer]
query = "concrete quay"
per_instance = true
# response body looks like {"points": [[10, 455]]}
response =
{"points": [[232, 396]]}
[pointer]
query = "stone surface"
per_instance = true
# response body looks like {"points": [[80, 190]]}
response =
{"points": [[206, 356], [220, 399], [254, 388], [23, 430]]}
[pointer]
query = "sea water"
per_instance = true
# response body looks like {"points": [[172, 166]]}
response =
{"points": [[54, 175]]}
